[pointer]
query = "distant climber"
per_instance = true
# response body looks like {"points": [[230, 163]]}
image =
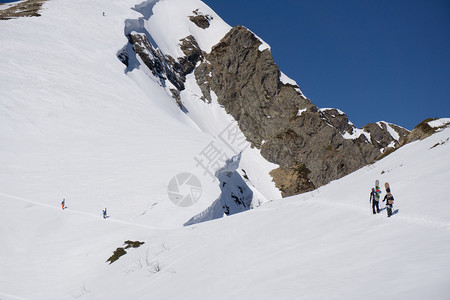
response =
{"points": [[389, 200], [104, 14], [63, 204], [375, 199], [104, 214]]}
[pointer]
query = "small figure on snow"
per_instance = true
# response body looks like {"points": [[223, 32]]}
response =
{"points": [[104, 214], [389, 202], [63, 204], [104, 14], [375, 199]]}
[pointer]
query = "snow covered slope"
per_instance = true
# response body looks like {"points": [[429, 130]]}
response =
{"points": [[324, 244], [74, 125]]}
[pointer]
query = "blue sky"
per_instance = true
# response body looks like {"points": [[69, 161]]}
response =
{"points": [[375, 60]]}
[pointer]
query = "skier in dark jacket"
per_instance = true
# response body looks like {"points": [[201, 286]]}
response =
{"points": [[389, 202], [375, 199], [104, 214]]}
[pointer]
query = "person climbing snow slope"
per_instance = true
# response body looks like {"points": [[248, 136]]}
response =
{"points": [[389, 198], [375, 198]]}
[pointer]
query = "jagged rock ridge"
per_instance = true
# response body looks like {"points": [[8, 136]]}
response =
{"points": [[311, 146], [29, 8]]}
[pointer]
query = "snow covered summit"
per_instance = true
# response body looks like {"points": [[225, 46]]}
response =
{"points": [[198, 58]]}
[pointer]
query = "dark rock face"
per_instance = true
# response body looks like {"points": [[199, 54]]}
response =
{"points": [[201, 20], [122, 55], [423, 130], [311, 146], [193, 53], [307, 143], [29, 8], [163, 66], [247, 83], [380, 134], [337, 119], [293, 180]]}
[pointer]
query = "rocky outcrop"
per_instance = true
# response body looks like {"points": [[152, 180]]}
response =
{"points": [[424, 130], [292, 181], [387, 134], [248, 85], [29, 8], [200, 19], [337, 119], [193, 54], [309, 145], [165, 67]]}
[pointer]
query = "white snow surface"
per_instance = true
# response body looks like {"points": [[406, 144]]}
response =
{"points": [[338, 110], [300, 111], [356, 133], [391, 145], [323, 244], [439, 122], [390, 130], [264, 45], [170, 23], [286, 80], [73, 125]]}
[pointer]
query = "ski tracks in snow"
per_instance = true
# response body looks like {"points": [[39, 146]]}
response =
{"points": [[71, 211], [416, 219], [9, 296]]}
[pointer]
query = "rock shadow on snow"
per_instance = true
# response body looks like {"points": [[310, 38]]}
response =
{"points": [[235, 196]]}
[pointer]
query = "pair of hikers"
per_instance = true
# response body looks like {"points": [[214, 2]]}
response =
{"points": [[375, 199], [63, 205]]}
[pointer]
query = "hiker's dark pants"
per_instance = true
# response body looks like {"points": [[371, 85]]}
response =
{"points": [[389, 210], [375, 204]]}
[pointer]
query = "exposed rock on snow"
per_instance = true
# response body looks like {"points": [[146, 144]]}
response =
{"points": [[294, 180], [383, 134], [29, 8], [121, 250], [249, 85], [200, 19], [427, 127], [337, 119], [267, 104]]}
